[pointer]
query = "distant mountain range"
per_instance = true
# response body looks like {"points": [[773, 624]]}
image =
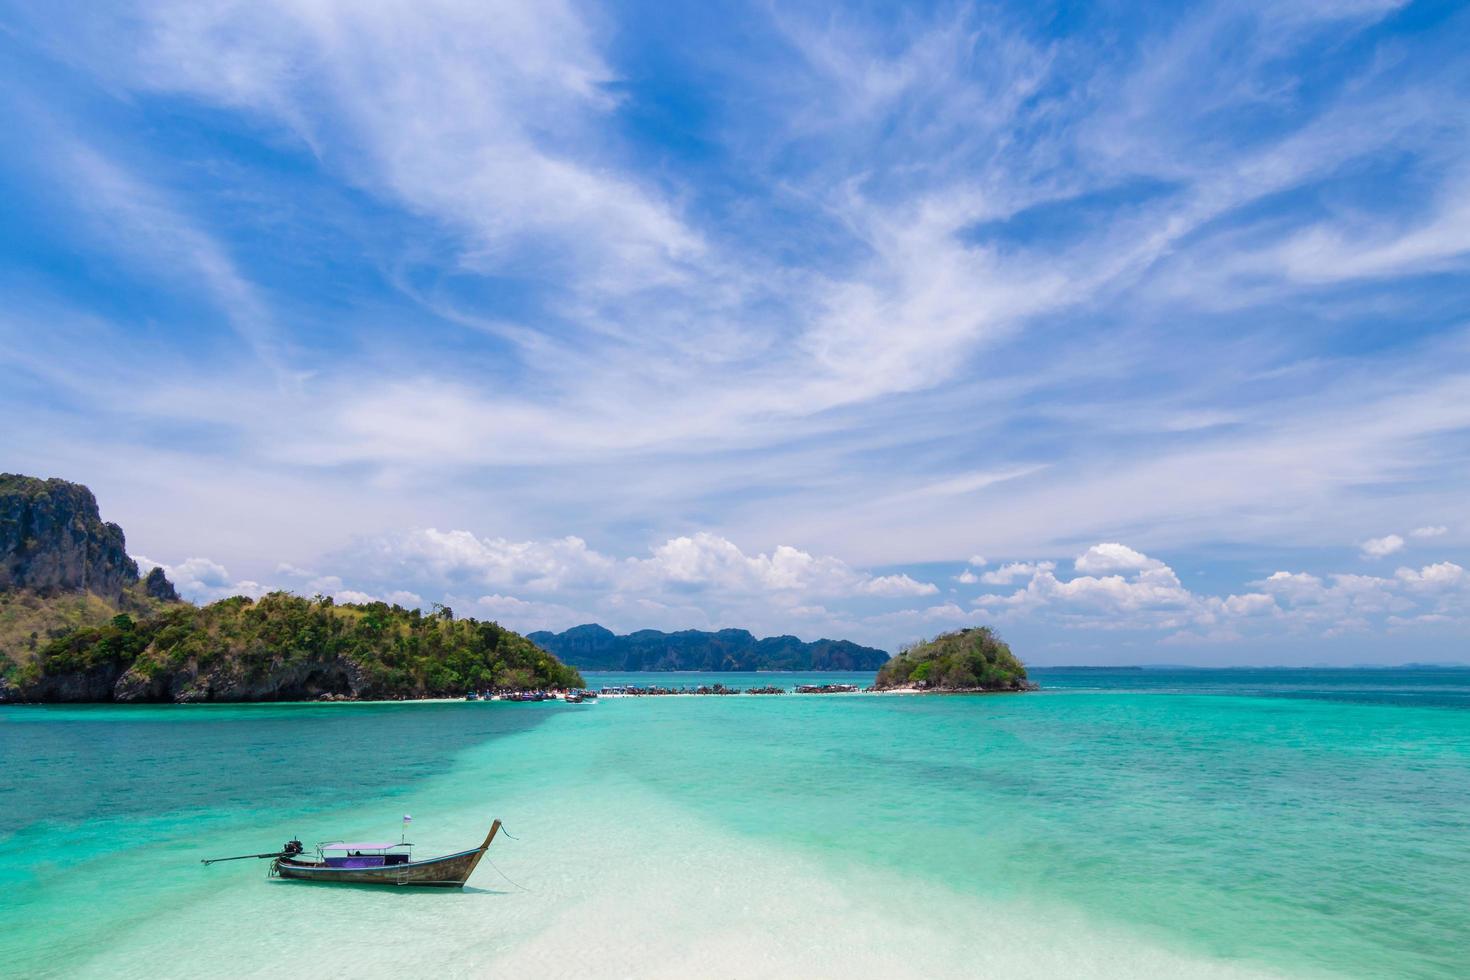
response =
{"points": [[593, 647]]}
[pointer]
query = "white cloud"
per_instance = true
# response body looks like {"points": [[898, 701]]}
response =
{"points": [[1444, 576], [978, 561], [1295, 586], [201, 580], [460, 556], [967, 577], [1327, 253], [200, 572], [1431, 531], [897, 586], [1339, 602], [1113, 557], [1149, 596], [1382, 547], [1009, 572], [705, 560], [1149, 589], [1251, 604], [496, 137], [702, 562]]}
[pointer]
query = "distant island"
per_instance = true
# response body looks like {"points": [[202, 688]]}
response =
{"points": [[967, 660], [593, 647], [78, 623]]}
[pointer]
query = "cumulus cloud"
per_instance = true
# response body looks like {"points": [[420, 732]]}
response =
{"points": [[202, 580], [1251, 604], [1150, 595], [1382, 547], [1444, 576], [1011, 571], [1113, 557], [1146, 594], [452, 557], [1338, 601], [701, 562], [896, 586], [967, 577], [706, 561]]}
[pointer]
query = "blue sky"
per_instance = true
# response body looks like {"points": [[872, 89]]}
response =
{"points": [[1139, 331]]}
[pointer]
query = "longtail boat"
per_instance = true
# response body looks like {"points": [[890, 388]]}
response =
{"points": [[373, 863]]}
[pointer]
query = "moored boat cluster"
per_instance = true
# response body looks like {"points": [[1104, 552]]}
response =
{"points": [[571, 695], [577, 696]]}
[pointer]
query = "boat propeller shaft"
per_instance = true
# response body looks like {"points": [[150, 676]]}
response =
{"points": [[290, 849]]}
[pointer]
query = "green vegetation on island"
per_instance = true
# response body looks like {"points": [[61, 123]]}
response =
{"points": [[974, 659], [79, 623], [283, 647]]}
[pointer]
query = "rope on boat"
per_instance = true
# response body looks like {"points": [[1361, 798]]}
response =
{"points": [[504, 875], [508, 833]]}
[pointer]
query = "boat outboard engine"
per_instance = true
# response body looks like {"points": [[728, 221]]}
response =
{"points": [[291, 848]]}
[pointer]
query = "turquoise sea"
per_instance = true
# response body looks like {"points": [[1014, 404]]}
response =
{"points": [[1117, 823]]}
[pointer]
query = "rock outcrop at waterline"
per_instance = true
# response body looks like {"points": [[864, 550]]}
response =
{"points": [[593, 647], [77, 624], [974, 659]]}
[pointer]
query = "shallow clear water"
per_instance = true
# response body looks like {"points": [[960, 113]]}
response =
{"points": [[1118, 823]]}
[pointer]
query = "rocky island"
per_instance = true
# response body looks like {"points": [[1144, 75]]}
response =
{"points": [[78, 623], [594, 647], [967, 660]]}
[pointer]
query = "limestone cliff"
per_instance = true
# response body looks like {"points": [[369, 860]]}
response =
{"points": [[62, 567], [53, 539]]}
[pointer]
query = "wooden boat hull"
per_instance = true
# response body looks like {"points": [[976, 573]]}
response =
{"points": [[450, 871]]}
